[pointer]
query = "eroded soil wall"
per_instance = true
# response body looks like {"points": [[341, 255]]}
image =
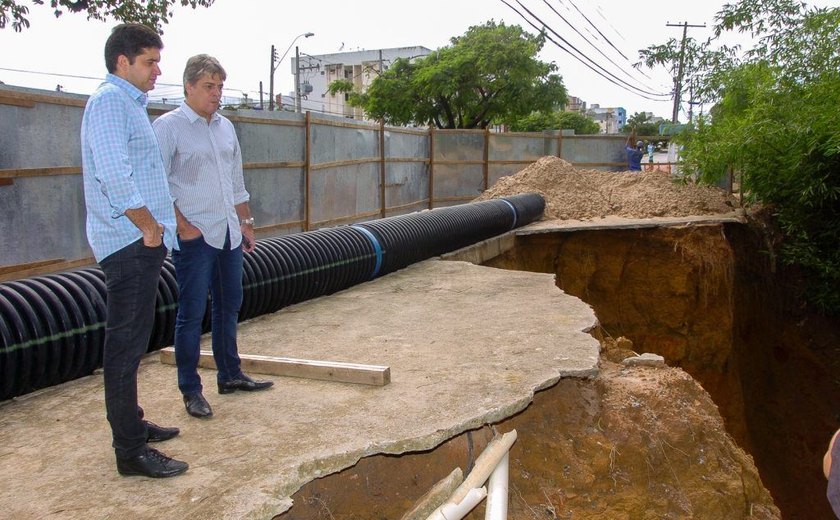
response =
{"points": [[643, 442], [711, 301], [630, 444]]}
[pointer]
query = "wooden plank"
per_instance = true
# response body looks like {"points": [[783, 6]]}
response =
{"points": [[259, 121], [341, 124], [347, 162], [47, 269], [5, 269], [349, 218], [24, 98], [13, 173], [268, 165], [423, 160], [16, 102], [283, 225], [336, 371]]}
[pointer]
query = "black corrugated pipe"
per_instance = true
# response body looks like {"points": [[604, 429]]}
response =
{"points": [[52, 327]]}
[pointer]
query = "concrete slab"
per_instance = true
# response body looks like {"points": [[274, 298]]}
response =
{"points": [[555, 226], [467, 345]]}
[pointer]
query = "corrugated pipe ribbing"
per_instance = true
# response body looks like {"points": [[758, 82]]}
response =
{"points": [[52, 327]]}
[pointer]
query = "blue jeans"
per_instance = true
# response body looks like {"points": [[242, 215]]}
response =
{"points": [[200, 269], [131, 279]]}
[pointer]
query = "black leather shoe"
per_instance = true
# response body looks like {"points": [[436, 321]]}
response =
{"points": [[151, 463], [155, 433], [197, 405], [243, 382]]}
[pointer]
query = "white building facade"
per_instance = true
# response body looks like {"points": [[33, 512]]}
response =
{"points": [[360, 67], [610, 119]]}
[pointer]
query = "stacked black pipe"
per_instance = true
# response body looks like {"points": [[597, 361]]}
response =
{"points": [[52, 327]]}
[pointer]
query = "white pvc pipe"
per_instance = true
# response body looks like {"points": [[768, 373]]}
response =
{"points": [[453, 511], [485, 464], [497, 491]]}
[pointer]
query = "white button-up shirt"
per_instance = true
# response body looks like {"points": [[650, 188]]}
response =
{"points": [[203, 163]]}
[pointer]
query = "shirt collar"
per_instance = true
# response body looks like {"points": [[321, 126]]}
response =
{"points": [[193, 116], [135, 93]]}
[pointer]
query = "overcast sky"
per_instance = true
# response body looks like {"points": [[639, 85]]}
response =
{"points": [[69, 50]]}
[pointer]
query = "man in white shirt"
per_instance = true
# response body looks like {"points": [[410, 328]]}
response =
{"points": [[203, 163]]}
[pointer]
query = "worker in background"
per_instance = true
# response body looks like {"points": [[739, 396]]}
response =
{"points": [[634, 153], [650, 150]]}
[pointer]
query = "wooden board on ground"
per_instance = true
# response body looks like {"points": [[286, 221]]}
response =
{"points": [[278, 366]]}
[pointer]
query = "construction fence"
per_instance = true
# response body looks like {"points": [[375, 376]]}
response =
{"points": [[303, 172]]}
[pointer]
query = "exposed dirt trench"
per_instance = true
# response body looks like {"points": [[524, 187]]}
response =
{"points": [[710, 300], [640, 442], [648, 443]]}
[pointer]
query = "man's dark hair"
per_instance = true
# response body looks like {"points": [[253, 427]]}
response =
{"points": [[129, 40]]}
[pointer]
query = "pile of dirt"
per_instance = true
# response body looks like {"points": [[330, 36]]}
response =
{"points": [[631, 443], [578, 194], [638, 443]]}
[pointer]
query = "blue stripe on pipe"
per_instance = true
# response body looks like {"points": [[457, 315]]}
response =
{"points": [[514, 212], [376, 247]]}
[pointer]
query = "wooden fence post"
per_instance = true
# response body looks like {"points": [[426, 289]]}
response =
{"points": [[306, 154], [486, 168], [431, 167], [559, 143], [382, 167]]}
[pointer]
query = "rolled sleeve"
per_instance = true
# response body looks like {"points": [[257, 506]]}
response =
{"points": [[240, 194]]}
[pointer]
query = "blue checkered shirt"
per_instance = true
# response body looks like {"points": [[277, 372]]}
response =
{"points": [[122, 168]]}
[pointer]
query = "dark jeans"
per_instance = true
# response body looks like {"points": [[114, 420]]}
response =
{"points": [[200, 269], [131, 277]]}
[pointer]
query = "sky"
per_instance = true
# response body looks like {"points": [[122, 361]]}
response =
{"points": [[68, 51]]}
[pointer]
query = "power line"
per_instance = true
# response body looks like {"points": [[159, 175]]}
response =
{"points": [[155, 94], [631, 76], [603, 72], [605, 39], [678, 79], [598, 30]]}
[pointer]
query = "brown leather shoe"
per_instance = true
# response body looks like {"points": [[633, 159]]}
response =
{"points": [[197, 406], [151, 463], [243, 382]]}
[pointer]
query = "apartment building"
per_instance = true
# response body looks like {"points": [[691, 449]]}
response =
{"points": [[360, 67], [610, 119]]}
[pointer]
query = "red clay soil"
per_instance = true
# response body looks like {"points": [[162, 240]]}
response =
{"points": [[632, 443]]}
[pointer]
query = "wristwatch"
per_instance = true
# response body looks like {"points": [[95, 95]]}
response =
{"points": [[247, 221]]}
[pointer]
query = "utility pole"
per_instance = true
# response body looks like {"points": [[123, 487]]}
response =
{"points": [[678, 80], [298, 68], [275, 62], [271, 80], [297, 80]]}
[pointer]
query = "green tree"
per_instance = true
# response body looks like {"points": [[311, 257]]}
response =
{"points": [[775, 124], [640, 124], [699, 61], [153, 13], [539, 121], [488, 75]]}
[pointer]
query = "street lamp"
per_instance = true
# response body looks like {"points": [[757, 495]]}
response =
{"points": [[276, 63]]}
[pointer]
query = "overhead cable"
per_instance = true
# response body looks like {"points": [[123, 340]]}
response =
{"points": [[591, 65]]}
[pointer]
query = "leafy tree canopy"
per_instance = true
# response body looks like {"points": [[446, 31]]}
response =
{"points": [[488, 75], [153, 13], [774, 124], [640, 124], [539, 121]]}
